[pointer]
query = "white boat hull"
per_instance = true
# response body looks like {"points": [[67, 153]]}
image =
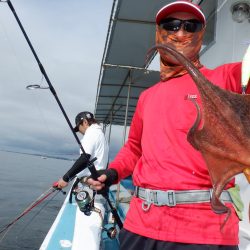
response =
{"points": [[72, 229]]}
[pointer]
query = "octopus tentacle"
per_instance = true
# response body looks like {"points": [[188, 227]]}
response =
{"points": [[224, 139], [195, 126]]}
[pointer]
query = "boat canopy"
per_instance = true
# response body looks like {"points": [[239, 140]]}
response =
{"points": [[124, 74]]}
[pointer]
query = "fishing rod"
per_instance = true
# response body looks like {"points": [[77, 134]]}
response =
{"points": [[40, 199], [90, 164], [52, 89]]}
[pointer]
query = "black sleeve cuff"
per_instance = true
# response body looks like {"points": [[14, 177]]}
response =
{"points": [[80, 164], [66, 178]]}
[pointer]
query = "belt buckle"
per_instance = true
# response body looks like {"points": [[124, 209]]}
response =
{"points": [[147, 203], [171, 201]]}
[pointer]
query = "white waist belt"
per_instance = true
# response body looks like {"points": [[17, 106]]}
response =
{"points": [[171, 198]]}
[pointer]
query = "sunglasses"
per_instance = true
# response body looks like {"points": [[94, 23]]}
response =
{"points": [[173, 24]]}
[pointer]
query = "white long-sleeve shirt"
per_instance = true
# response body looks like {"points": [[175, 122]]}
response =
{"points": [[95, 144]]}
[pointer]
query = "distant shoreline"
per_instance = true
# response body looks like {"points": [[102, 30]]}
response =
{"points": [[44, 156]]}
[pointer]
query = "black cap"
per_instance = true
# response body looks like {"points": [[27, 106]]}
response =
{"points": [[80, 117]]}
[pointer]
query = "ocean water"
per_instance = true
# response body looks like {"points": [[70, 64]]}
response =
{"points": [[23, 178]]}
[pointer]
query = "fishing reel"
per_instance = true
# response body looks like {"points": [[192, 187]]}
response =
{"points": [[84, 201], [86, 205]]}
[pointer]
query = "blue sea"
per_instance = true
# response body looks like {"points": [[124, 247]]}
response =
{"points": [[23, 178]]}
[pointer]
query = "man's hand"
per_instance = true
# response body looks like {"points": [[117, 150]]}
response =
{"points": [[98, 184], [62, 184], [106, 178]]}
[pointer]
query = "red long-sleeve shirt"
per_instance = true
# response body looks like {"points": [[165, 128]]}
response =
{"points": [[158, 156]]}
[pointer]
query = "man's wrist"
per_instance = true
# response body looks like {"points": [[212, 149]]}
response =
{"points": [[112, 176], [66, 178]]}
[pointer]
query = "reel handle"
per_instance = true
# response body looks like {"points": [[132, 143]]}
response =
{"points": [[111, 232]]}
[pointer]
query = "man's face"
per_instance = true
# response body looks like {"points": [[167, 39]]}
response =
{"points": [[83, 126], [185, 42]]}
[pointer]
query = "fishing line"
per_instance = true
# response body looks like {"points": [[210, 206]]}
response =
{"points": [[90, 164], [22, 230], [42, 69], [41, 115], [38, 212], [41, 198], [20, 69]]}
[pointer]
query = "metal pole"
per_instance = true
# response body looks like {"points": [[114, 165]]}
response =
{"points": [[124, 132], [110, 125], [126, 114]]}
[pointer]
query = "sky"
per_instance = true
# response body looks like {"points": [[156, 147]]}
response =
{"points": [[68, 37]]}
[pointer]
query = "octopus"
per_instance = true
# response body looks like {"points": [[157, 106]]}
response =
{"points": [[224, 137]]}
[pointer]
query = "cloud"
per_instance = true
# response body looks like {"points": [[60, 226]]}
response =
{"points": [[68, 37]]}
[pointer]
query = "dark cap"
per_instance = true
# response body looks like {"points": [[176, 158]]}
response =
{"points": [[80, 117], [180, 6]]}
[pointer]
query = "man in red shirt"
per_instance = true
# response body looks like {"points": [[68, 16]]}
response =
{"points": [[171, 208]]}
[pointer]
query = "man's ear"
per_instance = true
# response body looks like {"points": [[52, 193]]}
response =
{"points": [[85, 122]]}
